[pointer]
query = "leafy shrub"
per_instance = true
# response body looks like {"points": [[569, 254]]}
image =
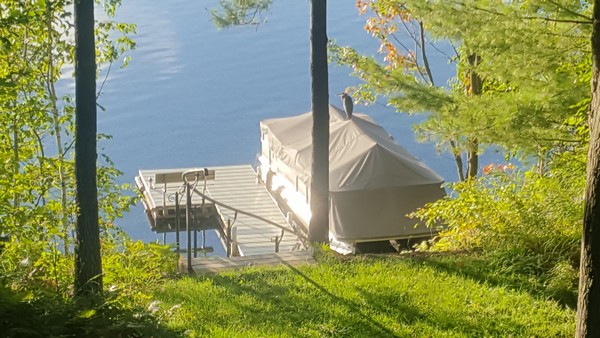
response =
{"points": [[523, 222], [132, 267], [129, 266]]}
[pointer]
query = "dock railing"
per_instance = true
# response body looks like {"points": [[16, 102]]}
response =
{"points": [[190, 187]]}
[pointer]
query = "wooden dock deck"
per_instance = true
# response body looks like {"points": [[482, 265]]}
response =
{"points": [[235, 186], [208, 265]]}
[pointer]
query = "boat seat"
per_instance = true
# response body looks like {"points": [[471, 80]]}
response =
{"points": [[178, 176]]}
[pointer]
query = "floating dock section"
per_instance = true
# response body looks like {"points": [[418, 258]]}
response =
{"points": [[229, 199]]}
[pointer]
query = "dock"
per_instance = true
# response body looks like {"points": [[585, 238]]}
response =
{"points": [[229, 199], [211, 265]]}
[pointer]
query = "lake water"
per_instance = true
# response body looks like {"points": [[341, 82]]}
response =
{"points": [[193, 96]]}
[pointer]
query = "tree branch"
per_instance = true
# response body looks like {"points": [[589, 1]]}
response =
{"points": [[587, 21], [559, 20], [424, 56], [570, 11]]}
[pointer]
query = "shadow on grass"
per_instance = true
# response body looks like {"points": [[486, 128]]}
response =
{"points": [[313, 301], [479, 269], [402, 305], [46, 316], [405, 310], [374, 325], [302, 304]]}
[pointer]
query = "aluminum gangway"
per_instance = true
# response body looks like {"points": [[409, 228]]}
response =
{"points": [[229, 199]]}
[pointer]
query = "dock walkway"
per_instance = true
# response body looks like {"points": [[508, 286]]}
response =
{"points": [[209, 265], [236, 186]]}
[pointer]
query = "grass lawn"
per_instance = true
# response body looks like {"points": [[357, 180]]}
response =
{"points": [[363, 296]]}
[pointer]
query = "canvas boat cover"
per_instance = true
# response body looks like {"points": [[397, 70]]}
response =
{"points": [[374, 182]]}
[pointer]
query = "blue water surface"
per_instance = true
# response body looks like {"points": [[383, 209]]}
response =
{"points": [[193, 95]]}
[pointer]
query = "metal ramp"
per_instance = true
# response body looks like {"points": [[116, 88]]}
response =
{"points": [[238, 187], [247, 217]]}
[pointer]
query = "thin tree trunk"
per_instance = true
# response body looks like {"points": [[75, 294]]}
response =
{"points": [[60, 157], [88, 265], [475, 88], [588, 303], [424, 53], [455, 151], [16, 159], [318, 230], [454, 148], [61, 172], [472, 158], [457, 160], [541, 162], [16, 155]]}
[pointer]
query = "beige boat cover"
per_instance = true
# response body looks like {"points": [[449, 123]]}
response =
{"points": [[374, 182]]}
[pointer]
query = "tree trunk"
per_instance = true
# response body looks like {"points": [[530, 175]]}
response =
{"points": [[88, 265], [318, 230], [472, 158], [457, 160], [475, 88], [17, 160], [588, 304]]}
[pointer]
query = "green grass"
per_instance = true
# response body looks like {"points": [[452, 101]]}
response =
{"points": [[364, 296], [415, 295]]}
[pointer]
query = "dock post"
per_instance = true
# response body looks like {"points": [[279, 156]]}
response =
{"points": [[204, 240], [228, 237], [277, 240], [195, 223], [177, 226], [188, 207], [234, 248]]}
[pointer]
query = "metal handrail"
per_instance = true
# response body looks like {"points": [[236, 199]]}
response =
{"points": [[190, 187]]}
